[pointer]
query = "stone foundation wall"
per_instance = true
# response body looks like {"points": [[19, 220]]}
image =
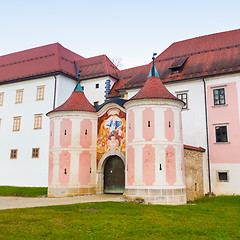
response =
{"points": [[70, 192], [194, 173], [158, 195]]}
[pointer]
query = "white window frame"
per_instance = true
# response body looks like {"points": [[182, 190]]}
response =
{"points": [[225, 95], [221, 125], [222, 171], [186, 106]]}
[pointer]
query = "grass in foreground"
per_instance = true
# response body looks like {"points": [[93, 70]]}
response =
{"points": [[210, 218], [23, 191]]}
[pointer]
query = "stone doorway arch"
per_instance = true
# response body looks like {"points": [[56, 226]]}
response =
{"points": [[101, 165]]}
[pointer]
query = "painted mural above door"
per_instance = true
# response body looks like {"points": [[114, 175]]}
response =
{"points": [[111, 132]]}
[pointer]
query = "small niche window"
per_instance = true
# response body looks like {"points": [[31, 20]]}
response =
{"points": [[97, 85], [184, 98], [149, 123], [13, 154], [221, 133], [96, 103], [86, 132], [219, 96], [16, 123], [19, 96], [83, 88], [222, 176], [35, 153], [37, 121], [40, 93], [1, 98]]}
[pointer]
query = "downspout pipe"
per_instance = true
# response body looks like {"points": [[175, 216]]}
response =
{"points": [[206, 122], [55, 90]]}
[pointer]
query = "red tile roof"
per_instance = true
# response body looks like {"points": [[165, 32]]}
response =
{"points": [[200, 149], [207, 55], [98, 66], [154, 88], [37, 61], [124, 76], [76, 102]]}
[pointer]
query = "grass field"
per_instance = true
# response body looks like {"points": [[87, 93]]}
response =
{"points": [[208, 218], [23, 191]]}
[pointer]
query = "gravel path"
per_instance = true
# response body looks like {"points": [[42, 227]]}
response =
{"points": [[21, 202]]}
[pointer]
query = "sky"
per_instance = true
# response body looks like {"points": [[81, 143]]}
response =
{"points": [[130, 30]]}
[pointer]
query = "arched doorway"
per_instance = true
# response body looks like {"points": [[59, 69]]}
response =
{"points": [[114, 175]]}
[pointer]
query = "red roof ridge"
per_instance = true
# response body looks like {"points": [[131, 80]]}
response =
{"points": [[208, 35], [76, 102], [154, 88], [189, 147], [105, 63], [140, 70]]}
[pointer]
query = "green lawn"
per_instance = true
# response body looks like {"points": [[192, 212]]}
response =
{"points": [[209, 218], [23, 191]]}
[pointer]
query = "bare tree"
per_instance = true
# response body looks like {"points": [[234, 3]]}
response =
{"points": [[117, 61]]}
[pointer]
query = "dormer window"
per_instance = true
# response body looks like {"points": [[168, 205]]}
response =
{"points": [[177, 65]]}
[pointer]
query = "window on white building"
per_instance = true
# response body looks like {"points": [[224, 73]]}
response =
{"points": [[97, 85], [35, 152], [19, 96], [183, 96], [96, 103], [38, 121], [1, 98], [221, 133], [219, 97], [13, 154], [40, 93], [222, 176], [16, 123]]}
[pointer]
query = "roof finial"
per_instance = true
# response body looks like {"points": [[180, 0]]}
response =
{"points": [[153, 71], [78, 87]]}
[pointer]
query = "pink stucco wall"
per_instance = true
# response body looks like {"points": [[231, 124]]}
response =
{"points": [[148, 116], [169, 127], [51, 142], [50, 169], [64, 163], [224, 152], [131, 126], [86, 133], [84, 168], [130, 165], [148, 164], [65, 127], [170, 165]]}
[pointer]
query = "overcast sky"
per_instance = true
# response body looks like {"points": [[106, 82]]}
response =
{"points": [[128, 29]]}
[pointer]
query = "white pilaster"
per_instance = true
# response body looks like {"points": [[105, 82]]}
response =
{"points": [[138, 166], [94, 133], [75, 140], [55, 180], [138, 118], [93, 167], [57, 133], [74, 167], [159, 124], [160, 175], [178, 159]]}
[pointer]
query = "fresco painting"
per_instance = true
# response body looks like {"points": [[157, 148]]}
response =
{"points": [[111, 132]]}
